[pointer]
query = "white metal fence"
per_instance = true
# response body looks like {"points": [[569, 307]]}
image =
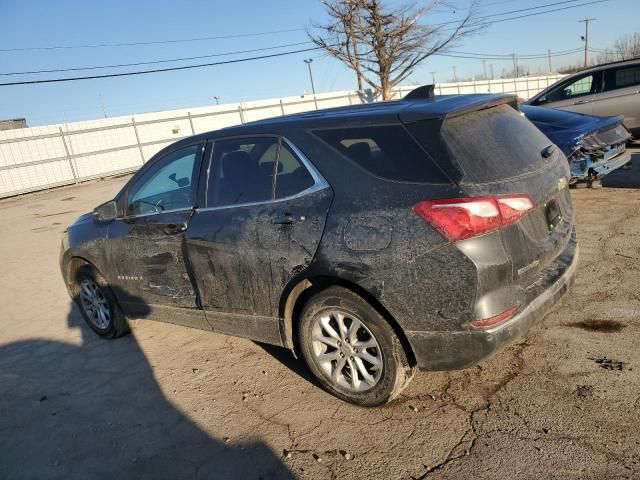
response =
{"points": [[38, 158]]}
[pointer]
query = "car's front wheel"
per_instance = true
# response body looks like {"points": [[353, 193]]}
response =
{"points": [[351, 349], [97, 304]]}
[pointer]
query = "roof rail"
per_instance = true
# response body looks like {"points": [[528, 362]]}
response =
{"points": [[421, 93]]}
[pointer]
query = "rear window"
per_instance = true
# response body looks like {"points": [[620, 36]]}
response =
{"points": [[493, 144], [622, 77], [386, 151]]}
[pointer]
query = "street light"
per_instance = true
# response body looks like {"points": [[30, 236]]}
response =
{"points": [[217, 99], [308, 62]]}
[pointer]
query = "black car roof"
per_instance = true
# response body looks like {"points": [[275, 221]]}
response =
{"points": [[414, 109], [432, 107]]}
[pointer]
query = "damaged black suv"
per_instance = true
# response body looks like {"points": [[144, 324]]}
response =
{"points": [[374, 239]]}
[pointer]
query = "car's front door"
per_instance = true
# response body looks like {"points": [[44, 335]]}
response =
{"points": [[248, 227], [575, 95], [148, 241]]}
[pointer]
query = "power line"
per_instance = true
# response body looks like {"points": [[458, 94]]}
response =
{"points": [[151, 62], [503, 56], [158, 70], [452, 54], [155, 42], [553, 4], [482, 24], [272, 32]]}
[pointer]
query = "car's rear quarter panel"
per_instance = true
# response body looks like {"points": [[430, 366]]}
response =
{"points": [[373, 239]]}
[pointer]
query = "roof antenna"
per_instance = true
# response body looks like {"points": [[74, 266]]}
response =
{"points": [[421, 93]]}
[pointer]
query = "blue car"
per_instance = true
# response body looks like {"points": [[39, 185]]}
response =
{"points": [[594, 146]]}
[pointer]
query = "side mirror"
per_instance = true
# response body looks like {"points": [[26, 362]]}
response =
{"points": [[106, 211], [542, 100]]}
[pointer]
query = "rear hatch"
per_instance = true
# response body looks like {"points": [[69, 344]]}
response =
{"points": [[490, 149]]}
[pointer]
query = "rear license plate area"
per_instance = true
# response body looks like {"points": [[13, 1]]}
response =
{"points": [[552, 214]]}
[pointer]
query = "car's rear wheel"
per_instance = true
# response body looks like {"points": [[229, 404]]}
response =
{"points": [[351, 349], [97, 304]]}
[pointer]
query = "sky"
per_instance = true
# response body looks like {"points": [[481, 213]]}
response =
{"points": [[29, 28]]}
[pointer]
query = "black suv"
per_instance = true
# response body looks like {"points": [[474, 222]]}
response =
{"points": [[374, 239]]}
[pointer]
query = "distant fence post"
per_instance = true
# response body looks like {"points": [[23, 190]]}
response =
{"points": [[135, 130], [281, 107], [66, 149], [193, 130], [315, 102], [528, 94], [241, 113]]}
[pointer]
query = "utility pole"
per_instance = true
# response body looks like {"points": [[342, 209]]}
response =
{"points": [[484, 64], [491, 67], [550, 69], [586, 39], [455, 77], [433, 76], [515, 64], [308, 62]]}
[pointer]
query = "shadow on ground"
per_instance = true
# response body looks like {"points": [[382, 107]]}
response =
{"points": [[628, 177], [95, 410]]}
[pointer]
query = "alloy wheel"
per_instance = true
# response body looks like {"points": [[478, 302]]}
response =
{"points": [[95, 304], [346, 350]]}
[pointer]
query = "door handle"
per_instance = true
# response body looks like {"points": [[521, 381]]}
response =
{"points": [[580, 102], [174, 229]]}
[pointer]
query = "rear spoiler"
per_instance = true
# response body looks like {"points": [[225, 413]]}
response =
{"points": [[422, 104]]}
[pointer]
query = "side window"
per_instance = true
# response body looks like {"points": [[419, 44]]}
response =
{"points": [[385, 151], [577, 88], [622, 77], [293, 177], [241, 171], [167, 185]]}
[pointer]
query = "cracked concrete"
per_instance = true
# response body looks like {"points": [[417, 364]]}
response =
{"points": [[170, 402]]}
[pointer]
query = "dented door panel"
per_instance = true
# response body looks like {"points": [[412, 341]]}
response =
{"points": [[151, 269], [230, 259]]}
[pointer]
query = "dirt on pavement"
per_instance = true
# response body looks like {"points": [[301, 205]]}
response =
{"points": [[172, 402]]}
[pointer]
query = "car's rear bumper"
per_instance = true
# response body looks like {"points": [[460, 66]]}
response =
{"points": [[604, 168], [453, 350]]}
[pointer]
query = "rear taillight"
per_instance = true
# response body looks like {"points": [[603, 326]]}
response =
{"points": [[492, 321], [460, 218]]}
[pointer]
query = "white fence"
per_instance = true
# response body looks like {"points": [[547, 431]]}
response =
{"points": [[38, 158]]}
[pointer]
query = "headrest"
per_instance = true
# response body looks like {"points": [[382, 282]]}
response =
{"points": [[237, 163]]}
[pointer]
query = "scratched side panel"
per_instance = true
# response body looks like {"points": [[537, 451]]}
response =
{"points": [[230, 260], [293, 247]]}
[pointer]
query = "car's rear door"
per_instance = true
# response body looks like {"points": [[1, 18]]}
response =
{"points": [[253, 230], [147, 243], [620, 95]]}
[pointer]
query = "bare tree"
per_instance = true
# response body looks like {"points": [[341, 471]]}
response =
{"points": [[384, 44], [624, 48]]}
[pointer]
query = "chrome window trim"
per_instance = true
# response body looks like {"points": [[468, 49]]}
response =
{"points": [[173, 210], [319, 182]]}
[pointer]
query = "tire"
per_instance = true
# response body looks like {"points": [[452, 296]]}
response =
{"points": [[382, 368], [110, 323]]}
